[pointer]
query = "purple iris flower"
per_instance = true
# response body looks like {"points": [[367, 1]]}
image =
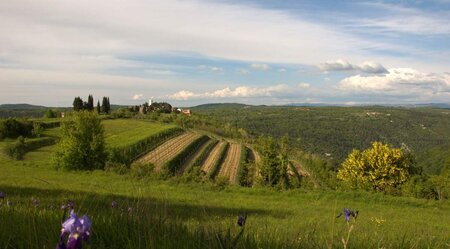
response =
{"points": [[77, 230], [114, 204], [2, 196], [242, 218], [348, 213]]}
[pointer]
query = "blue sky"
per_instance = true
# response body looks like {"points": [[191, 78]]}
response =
{"points": [[255, 52]]}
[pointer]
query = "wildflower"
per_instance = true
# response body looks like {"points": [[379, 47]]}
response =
{"points": [[70, 205], [114, 204], [2, 196], [77, 230], [35, 202], [347, 213], [242, 218]]}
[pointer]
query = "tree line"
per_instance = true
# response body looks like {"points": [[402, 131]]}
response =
{"points": [[79, 104]]}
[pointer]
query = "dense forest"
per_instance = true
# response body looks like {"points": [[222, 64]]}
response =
{"points": [[334, 132]]}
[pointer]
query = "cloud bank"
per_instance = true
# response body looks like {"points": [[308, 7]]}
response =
{"points": [[342, 65]]}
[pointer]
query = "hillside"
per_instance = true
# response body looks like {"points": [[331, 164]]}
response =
{"points": [[334, 131]]}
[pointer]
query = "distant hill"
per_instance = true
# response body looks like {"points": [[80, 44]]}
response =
{"points": [[21, 107], [218, 105]]}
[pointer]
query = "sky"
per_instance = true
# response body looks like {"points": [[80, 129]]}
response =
{"points": [[190, 52]]}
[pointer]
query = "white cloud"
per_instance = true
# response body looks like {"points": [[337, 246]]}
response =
{"points": [[260, 66], [342, 65], [399, 81], [210, 68], [238, 92], [282, 70], [304, 85], [243, 71], [138, 96]]}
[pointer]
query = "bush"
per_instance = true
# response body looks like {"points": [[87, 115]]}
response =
{"points": [[141, 170], [17, 149], [37, 129], [118, 168], [13, 128], [380, 167], [82, 145], [50, 114]]}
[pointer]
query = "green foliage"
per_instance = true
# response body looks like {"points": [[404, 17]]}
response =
{"points": [[129, 153], [49, 113], [37, 129], [171, 167], [274, 161], [381, 167], [82, 145], [122, 113], [13, 128], [118, 168], [77, 104], [17, 149], [339, 130], [141, 170], [216, 167], [243, 170]]}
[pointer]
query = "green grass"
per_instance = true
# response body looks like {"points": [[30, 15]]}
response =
{"points": [[173, 214], [123, 132]]}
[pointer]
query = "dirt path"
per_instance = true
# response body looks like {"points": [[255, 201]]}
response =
{"points": [[168, 150], [212, 157], [230, 165]]}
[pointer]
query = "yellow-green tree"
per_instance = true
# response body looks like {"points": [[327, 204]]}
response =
{"points": [[379, 167]]}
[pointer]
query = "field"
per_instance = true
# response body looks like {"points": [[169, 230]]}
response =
{"points": [[197, 215], [212, 158], [176, 214], [231, 163]]}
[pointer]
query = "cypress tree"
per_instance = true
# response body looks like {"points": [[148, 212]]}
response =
{"points": [[77, 104], [104, 105], [98, 107], [90, 103]]}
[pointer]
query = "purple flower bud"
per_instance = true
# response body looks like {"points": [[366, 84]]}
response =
{"points": [[242, 219], [61, 245], [70, 204], [74, 242], [114, 204], [348, 213], [2, 196]]}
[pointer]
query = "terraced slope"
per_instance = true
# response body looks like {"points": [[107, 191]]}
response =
{"points": [[230, 165], [168, 150], [212, 158], [191, 159]]}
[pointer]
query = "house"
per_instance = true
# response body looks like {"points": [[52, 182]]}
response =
{"points": [[186, 112]]}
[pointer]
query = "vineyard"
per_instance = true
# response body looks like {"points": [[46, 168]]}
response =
{"points": [[231, 163]]}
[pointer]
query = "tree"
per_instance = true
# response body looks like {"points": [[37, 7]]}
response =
{"points": [[50, 113], [82, 145], [269, 168], [105, 105], [77, 104], [90, 103], [380, 167], [98, 107]]}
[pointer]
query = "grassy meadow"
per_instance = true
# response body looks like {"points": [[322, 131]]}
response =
{"points": [[153, 213]]}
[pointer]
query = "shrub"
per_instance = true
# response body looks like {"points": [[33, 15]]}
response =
{"points": [[141, 170], [243, 170], [118, 168], [37, 129], [82, 145], [17, 149], [380, 167], [50, 114], [13, 128], [221, 182]]}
